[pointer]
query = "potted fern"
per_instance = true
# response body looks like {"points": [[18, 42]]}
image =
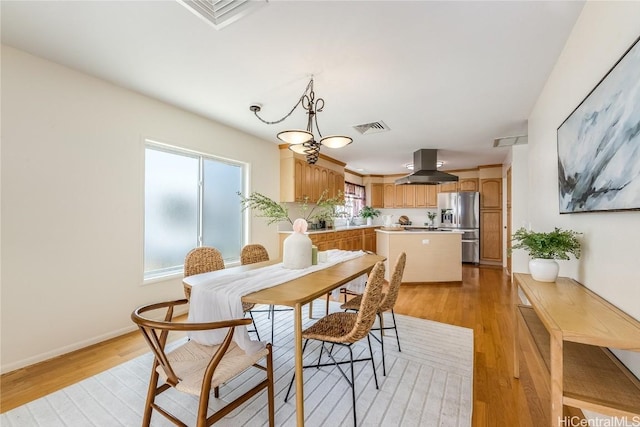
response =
{"points": [[369, 213], [545, 248]]}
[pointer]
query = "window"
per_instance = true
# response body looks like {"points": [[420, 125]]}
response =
{"points": [[354, 197], [190, 200]]}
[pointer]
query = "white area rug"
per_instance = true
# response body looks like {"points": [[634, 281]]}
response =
{"points": [[429, 383]]}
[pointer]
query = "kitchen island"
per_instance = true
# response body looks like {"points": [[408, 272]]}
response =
{"points": [[432, 255]]}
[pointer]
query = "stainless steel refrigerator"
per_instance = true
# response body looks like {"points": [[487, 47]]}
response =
{"points": [[461, 211]]}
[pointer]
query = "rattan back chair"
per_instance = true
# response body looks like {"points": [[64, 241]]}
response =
{"points": [[203, 260], [196, 369], [387, 303], [347, 328], [253, 253]]}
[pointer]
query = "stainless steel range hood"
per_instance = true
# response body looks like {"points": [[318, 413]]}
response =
{"points": [[425, 170]]}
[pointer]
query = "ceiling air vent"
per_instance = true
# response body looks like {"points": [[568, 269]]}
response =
{"points": [[220, 13], [373, 127], [508, 141]]}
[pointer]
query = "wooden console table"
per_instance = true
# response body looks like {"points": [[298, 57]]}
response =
{"points": [[571, 328]]}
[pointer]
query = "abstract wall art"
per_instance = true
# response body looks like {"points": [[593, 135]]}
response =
{"points": [[599, 144]]}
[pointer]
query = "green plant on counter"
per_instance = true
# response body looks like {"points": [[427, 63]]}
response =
{"points": [[369, 212], [557, 244], [265, 207], [432, 216]]}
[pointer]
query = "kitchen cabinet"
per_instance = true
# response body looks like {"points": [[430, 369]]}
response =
{"points": [[448, 187], [468, 184], [338, 186], [491, 193], [308, 181], [491, 220], [389, 195], [426, 196], [349, 240], [409, 192], [405, 196], [399, 196], [377, 195], [369, 240], [491, 235]]}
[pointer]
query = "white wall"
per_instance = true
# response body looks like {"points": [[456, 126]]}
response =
{"points": [[518, 161], [73, 199], [611, 251]]}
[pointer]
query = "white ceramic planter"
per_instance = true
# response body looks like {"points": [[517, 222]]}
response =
{"points": [[544, 270], [369, 221]]}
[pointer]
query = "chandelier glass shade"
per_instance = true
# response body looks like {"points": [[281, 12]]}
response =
{"points": [[304, 141]]}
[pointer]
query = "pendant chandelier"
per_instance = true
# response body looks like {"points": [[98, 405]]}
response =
{"points": [[303, 141]]}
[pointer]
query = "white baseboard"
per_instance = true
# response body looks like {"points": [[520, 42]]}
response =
{"points": [[71, 347]]}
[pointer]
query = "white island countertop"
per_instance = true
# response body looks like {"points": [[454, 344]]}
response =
{"points": [[416, 231]]}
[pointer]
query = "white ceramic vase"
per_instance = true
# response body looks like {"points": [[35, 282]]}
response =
{"points": [[544, 270], [369, 221]]}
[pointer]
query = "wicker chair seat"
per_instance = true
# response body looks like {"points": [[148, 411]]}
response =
{"points": [[190, 360]]}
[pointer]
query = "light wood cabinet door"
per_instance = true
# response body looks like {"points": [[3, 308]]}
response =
{"points": [[315, 183], [307, 181], [338, 188], [324, 181], [377, 195], [389, 195], [331, 183], [421, 195], [409, 192], [298, 179], [398, 200], [432, 196], [468, 184], [491, 235], [448, 187], [491, 193], [369, 240]]}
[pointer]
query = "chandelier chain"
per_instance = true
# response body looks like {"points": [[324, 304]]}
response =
{"points": [[300, 100]]}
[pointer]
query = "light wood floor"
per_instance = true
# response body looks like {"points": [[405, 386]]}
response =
{"points": [[482, 302]]}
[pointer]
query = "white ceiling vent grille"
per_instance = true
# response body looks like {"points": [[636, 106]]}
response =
{"points": [[220, 13], [508, 141], [373, 127]]}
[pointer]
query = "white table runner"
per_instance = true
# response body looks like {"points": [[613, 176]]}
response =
{"points": [[219, 298]]}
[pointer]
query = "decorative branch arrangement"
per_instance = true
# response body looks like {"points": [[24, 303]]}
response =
{"points": [[265, 207]]}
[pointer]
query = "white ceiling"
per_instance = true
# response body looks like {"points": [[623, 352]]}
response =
{"points": [[447, 75]]}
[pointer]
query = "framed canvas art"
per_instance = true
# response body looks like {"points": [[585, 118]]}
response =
{"points": [[599, 143]]}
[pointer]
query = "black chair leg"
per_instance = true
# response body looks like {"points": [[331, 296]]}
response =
{"points": [[384, 367], [353, 387], [255, 327], [273, 317], [373, 364], [395, 327], [293, 377]]}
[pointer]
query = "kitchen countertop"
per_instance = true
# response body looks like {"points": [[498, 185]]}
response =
{"points": [[333, 230]]}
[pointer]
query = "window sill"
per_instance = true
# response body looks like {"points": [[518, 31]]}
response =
{"points": [[162, 278]]}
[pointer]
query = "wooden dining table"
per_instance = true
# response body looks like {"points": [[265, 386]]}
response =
{"points": [[303, 290], [300, 291]]}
